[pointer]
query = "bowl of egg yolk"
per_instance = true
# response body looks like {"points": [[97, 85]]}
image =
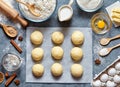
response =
{"points": [[101, 23]]}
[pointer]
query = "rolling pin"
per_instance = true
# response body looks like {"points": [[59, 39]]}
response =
{"points": [[12, 13]]}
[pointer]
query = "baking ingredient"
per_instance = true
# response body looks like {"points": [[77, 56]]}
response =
{"points": [[37, 54], [97, 83], [38, 70], [56, 69], [7, 75], [104, 77], [18, 48], [97, 61], [117, 66], [116, 79], [36, 37], [116, 15], [103, 52], [9, 80], [17, 82], [76, 70], [57, 52], [76, 54], [77, 38], [65, 13], [43, 7], [20, 38], [112, 71], [1, 77], [89, 4], [57, 37], [11, 62], [101, 24], [110, 84]]}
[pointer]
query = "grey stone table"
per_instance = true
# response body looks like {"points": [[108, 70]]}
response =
{"points": [[80, 19]]}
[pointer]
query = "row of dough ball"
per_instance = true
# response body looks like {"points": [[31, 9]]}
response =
{"points": [[57, 70], [57, 53], [57, 37]]}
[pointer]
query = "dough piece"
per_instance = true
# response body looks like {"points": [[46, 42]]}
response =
{"points": [[56, 69], [77, 38], [76, 70], [36, 38], [57, 37], [37, 54], [76, 54], [57, 52], [37, 70]]}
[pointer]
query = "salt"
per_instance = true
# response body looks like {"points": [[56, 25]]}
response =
{"points": [[103, 52]]}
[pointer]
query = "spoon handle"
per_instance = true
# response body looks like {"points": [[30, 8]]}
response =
{"points": [[115, 37], [71, 2], [22, 3], [118, 45]]}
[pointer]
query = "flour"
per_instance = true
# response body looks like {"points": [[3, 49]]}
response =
{"points": [[103, 52], [89, 4], [43, 7]]}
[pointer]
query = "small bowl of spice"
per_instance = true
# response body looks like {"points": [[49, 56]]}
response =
{"points": [[101, 23], [90, 5], [37, 10]]}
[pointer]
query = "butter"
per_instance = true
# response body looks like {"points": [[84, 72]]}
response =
{"points": [[116, 15]]}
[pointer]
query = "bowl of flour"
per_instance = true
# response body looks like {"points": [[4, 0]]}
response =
{"points": [[90, 5], [43, 7]]}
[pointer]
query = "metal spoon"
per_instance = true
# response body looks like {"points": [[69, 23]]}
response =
{"points": [[31, 8], [106, 51], [9, 30], [105, 41]]}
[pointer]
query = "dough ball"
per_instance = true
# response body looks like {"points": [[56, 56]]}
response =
{"points": [[76, 54], [57, 37], [77, 38], [37, 54], [36, 38], [76, 70], [56, 69], [37, 70], [57, 52]]}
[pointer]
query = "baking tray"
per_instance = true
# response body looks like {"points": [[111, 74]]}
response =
{"points": [[66, 61]]}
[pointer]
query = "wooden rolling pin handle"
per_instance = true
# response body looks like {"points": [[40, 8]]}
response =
{"points": [[22, 21]]}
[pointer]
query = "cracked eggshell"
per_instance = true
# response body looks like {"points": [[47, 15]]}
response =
{"points": [[96, 83], [112, 71], [117, 66], [116, 79], [104, 78], [110, 84]]}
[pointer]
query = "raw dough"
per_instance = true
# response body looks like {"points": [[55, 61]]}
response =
{"points": [[57, 37], [37, 70], [56, 69], [77, 38], [76, 54], [37, 54], [36, 38], [57, 52], [76, 70]]}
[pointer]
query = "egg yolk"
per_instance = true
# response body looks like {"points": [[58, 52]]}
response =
{"points": [[101, 24]]}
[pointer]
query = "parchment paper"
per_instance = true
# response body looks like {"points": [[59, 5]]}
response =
{"points": [[66, 62]]}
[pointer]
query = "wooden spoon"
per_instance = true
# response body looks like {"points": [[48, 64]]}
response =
{"points": [[9, 30], [31, 8], [105, 41], [106, 51]]}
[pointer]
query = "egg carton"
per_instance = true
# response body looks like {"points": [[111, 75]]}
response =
{"points": [[109, 77]]}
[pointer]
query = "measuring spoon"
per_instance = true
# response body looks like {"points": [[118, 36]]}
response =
{"points": [[31, 8], [105, 41], [9, 30], [65, 12], [106, 51]]}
